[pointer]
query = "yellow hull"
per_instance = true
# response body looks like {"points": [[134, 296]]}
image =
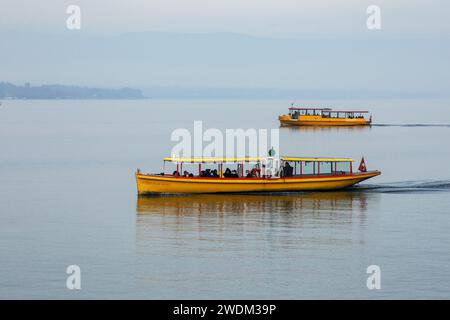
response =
{"points": [[153, 184], [319, 121]]}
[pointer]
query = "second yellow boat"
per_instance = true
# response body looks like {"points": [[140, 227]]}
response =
{"points": [[325, 117]]}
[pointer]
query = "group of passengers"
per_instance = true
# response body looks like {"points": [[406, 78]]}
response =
{"points": [[186, 174], [230, 173], [358, 116], [203, 173], [209, 173], [255, 172]]}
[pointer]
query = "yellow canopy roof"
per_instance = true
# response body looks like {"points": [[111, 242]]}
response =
{"points": [[318, 159], [213, 159], [251, 159]]}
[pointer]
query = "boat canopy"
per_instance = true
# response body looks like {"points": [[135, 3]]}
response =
{"points": [[328, 110], [320, 109], [251, 159], [348, 111], [213, 159], [295, 159]]}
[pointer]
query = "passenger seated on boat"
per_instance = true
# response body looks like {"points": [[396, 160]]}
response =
{"points": [[234, 174], [191, 175], [202, 173], [227, 173], [185, 174], [208, 173], [176, 173], [214, 173], [255, 172], [287, 170], [248, 174], [284, 171]]}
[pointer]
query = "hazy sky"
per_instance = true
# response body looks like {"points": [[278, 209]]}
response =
{"points": [[280, 18], [326, 44]]}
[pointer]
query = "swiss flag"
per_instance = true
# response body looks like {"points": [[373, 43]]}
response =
{"points": [[362, 165]]}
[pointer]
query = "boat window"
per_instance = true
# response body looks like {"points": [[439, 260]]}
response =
{"points": [[342, 167], [308, 167], [171, 168], [325, 167]]}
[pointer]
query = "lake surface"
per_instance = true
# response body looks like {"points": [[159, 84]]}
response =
{"points": [[68, 197]]}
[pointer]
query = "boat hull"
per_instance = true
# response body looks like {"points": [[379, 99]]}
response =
{"points": [[154, 184], [319, 121]]}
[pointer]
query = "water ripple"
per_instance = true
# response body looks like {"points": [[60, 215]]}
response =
{"points": [[441, 125], [407, 186]]}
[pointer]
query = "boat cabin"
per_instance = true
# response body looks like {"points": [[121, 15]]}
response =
{"points": [[257, 167], [317, 166], [295, 112]]}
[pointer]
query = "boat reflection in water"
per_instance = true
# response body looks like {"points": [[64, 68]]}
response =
{"points": [[325, 128], [247, 244], [347, 203]]}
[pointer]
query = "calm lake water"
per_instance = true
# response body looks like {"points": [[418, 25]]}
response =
{"points": [[68, 196]]}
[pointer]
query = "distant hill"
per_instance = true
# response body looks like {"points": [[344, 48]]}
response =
{"points": [[215, 65], [11, 91]]}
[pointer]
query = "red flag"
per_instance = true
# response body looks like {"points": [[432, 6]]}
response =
{"points": [[362, 165]]}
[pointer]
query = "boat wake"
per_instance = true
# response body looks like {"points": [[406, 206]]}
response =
{"points": [[406, 187], [442, 125]]}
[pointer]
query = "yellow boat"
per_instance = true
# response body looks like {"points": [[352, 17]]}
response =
{"points": [[324, 117], [268, 174]]}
